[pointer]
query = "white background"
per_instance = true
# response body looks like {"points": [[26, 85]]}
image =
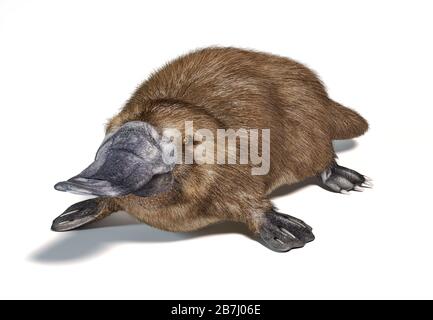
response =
{"points": [[67, 66]]}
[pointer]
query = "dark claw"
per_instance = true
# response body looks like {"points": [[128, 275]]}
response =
{"points": [[351, 175], [281, 232]]}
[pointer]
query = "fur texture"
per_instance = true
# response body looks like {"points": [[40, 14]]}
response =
{"points": [[234, 88]]}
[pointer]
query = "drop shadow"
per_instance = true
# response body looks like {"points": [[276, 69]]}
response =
{"points": [[118, 228], [344, 145]]}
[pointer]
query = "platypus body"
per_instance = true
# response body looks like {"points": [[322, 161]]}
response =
{"points": [[217, 88]]}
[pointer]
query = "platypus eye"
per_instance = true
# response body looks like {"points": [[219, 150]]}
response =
{"points": [[188, 140], [130, 160]]}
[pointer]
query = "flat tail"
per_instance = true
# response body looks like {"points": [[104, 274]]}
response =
{"points": [[346, 123]]}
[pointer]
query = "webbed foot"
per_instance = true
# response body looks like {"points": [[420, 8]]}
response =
{"points": [[281, 232], [341, 179], [77, 215]]}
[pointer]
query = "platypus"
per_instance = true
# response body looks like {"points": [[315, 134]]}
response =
{"points": [[137, 168]]}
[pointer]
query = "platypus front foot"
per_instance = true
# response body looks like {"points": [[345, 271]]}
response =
{"points": [[77, 215], [341, 179], [281, 232]]}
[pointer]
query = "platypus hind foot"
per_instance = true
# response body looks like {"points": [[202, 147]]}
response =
{"points": [[340, 179], [281, 232]]}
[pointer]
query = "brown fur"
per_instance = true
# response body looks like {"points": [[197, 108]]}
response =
{"points": [[233, 88]]}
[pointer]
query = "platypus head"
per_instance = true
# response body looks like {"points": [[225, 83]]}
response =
{"points": [[134, 159]]}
